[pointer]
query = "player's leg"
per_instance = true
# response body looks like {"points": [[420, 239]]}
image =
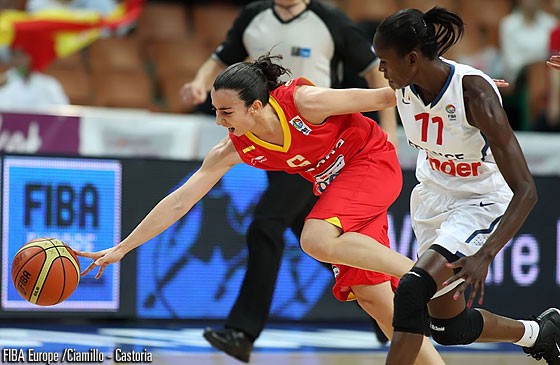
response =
{"points": [[326, 242], [452, 323], [279, 205], [377, 301], [358, 191], [415, 290], [538, 337]]}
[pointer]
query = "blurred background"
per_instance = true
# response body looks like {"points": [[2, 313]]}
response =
{"points": [[100, 106]]}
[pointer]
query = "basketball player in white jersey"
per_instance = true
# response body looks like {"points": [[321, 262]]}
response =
{"points": [[474, 194]]}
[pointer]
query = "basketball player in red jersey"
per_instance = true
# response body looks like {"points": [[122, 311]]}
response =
{"points": [[320, 134]]}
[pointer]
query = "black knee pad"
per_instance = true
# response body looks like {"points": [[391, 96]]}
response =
{"points": [[460, 330], [415, 290]]}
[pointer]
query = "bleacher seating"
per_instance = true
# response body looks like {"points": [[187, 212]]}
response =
{"points": [[123, 89], [171, 41]]}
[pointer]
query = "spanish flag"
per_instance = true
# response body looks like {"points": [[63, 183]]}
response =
{"points": [[56, 33]]}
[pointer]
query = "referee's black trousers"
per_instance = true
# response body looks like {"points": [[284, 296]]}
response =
{"points": [[285, 204]]}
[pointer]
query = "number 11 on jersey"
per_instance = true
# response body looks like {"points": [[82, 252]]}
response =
{"points": [[425, 119]]}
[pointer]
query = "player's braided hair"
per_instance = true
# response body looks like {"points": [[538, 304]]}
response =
{"points": [[253, 80], [433, 32]]}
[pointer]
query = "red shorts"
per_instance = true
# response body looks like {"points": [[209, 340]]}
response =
{"points": [[359, 198]]}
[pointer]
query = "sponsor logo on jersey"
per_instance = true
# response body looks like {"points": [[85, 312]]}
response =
{"points": [[328, 156], [298, 124], [325, 178], [258, 159], [450, 167], [454, 156]]}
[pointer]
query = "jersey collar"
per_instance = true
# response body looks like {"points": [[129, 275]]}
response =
{"points": [[285, 130], [443, 89]]}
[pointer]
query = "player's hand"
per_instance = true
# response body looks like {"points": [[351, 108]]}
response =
{"points": [[554, 62], [500, 83], [474, 270], [101, 259], [193, 94]]}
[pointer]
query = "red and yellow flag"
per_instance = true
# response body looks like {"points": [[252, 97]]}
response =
{"points": [[56, 33]]}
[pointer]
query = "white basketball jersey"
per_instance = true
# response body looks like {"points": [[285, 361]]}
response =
{"points": [[453, 155]]}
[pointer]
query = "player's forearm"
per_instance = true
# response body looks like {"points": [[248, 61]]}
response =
{"points": [[388, 116], [161, 217], [388, 121]]}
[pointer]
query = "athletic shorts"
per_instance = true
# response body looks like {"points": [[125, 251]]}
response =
{"points": [[459, 222], [357, 201]]}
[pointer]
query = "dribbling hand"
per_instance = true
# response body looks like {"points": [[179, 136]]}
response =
{"points": [[474, 270], [101, 259]]}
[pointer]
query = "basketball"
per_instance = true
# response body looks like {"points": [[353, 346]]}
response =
{"points": [[45, 271]]}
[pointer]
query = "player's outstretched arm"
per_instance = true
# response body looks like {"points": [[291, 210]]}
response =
{"points": [[175, 205], [317, 103]]}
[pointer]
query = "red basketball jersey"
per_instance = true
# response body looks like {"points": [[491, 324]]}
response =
{"points": [[317, 152]]}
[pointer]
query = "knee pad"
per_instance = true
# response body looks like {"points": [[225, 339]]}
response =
{"points": [[415, 290], [460, 330]]}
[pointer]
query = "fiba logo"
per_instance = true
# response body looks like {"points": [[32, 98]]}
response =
{"points": [[451, 110], [300, 126]]}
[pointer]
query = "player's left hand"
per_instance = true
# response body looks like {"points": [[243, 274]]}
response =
{"points": [[474, 270]]}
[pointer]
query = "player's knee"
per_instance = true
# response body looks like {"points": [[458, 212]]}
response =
{"points": [[460, 330], [415, 289]]}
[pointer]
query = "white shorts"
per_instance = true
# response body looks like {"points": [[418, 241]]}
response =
{"points": [[459, 222]]}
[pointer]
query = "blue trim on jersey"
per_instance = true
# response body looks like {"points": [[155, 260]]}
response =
{"points": [[443, 89], [485, 230], [484, 150]]}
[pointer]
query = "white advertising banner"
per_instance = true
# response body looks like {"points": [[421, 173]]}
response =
{"points": [[111, 132], [138, 134]]}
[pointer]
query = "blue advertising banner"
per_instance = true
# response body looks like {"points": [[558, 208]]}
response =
{"points": [[75, 200], [194, 269]]}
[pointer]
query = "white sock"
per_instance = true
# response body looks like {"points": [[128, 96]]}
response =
{"points": [[531, 333]]}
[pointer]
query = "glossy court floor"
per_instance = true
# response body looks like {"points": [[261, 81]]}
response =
{"points": [[171, 344]]}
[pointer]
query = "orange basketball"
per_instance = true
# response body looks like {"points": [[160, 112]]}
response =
{"points": [[45, 271]]}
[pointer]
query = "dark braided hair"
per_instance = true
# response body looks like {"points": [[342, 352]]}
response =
{"points": [[433, 32], [252, 80]]}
